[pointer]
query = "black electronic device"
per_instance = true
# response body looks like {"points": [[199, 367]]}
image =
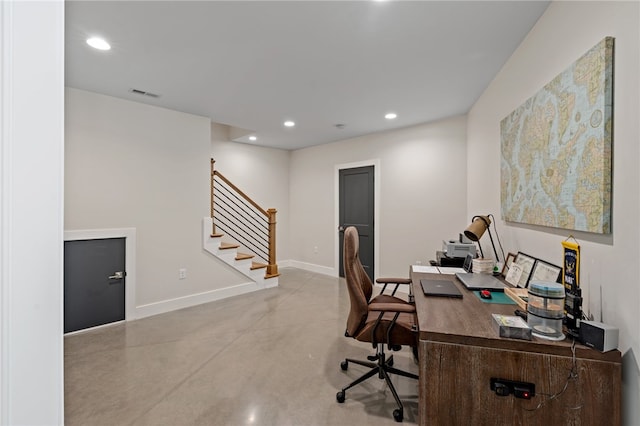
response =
{"points": [[440, 288], [599, 336], [573, 312], [504, 387], [443, 260], [468, 263]]}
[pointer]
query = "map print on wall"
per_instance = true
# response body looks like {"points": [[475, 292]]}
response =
{"points": [[556, 149]]}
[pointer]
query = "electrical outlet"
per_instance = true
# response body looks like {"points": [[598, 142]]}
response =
{"points": [[182, 273], [503, 387], [315, 249]]}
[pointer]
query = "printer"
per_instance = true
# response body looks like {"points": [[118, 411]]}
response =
{"points": [[460, 248], [454, 252]]}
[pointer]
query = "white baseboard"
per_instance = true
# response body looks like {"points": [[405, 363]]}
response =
{"points": [[97, 327], [223, 293], [194, 299], [325, 270], [403, 291]]}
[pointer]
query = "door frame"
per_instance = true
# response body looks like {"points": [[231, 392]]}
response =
{"points": [[376, 211], [129, 235]]}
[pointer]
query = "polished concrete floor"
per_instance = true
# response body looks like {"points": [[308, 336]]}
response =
{"points": [[267, 358]]}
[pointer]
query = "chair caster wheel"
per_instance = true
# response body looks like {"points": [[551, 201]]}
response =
{"points": [[397, 415], [344, 365], [340, 399]]}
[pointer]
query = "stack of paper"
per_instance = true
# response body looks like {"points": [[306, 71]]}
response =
{"points": [[483, 266]]}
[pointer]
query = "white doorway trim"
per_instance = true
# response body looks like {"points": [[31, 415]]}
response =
{"points": [[129, 234], [376, 211]]}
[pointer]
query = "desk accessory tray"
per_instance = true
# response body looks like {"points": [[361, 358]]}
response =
{"points": [[518, 295]]}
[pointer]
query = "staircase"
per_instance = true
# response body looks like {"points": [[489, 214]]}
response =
{"points": [[242, 262], [243, 224]]}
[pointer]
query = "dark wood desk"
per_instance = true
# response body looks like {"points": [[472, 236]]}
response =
{"points": [[460, 352]]}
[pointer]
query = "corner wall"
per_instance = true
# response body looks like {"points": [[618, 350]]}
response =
{"points": [[609, 262], [261, 173], [31, 212], [131, 165], [422, 194]]}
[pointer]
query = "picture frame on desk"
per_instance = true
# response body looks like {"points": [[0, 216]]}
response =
{"points": [[545, 271], [507, 264], [526, 263]]}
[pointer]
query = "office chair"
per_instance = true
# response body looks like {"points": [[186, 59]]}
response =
{"points": [[385, 319]]}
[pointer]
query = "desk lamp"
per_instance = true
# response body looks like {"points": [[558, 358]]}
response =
{"points": [[474, 232]]}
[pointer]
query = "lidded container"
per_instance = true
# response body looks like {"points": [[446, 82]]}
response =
{"points": [[545, 309]]}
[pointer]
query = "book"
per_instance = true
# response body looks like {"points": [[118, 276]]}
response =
{"points": [[511, 326]]}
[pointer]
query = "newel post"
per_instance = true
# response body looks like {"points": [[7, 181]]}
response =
{"points": [[272, 268], [213, 224]]}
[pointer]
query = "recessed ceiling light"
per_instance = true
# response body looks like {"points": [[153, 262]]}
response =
{"points": [[98, 43], [253, 138], [289, 123], [390, 116]]}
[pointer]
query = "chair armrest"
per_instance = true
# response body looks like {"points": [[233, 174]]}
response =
{"points": [[392, 307], [396, 281], [383, 308], [393, 281]]}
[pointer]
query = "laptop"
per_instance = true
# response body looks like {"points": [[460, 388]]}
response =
{"points": [[478, 281], [440, 288]]}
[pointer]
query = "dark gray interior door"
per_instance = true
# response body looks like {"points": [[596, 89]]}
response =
{"points": [[356, 209], [94, 280]]}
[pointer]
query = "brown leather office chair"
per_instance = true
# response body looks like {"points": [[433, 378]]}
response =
{"points": [[385, 319]]}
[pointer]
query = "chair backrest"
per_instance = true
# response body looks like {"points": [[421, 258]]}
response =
{"points": [[358, 282]]}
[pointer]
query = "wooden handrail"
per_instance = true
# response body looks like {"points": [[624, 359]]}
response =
{"points": [[272, 267], [242, 194]]}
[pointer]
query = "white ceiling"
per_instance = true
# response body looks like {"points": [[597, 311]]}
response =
{"points": [[254, 64]]}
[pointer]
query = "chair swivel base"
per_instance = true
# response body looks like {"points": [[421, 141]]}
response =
{"points": [[383, 367]]}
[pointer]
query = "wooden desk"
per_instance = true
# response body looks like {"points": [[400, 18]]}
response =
{"points": [[460, 352]]}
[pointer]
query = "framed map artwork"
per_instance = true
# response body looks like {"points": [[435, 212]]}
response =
{"points": [[556, 149]]}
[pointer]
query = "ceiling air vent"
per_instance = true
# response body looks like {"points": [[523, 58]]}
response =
{"points": [[144, 93]]}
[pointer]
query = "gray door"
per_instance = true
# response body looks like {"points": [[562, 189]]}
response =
{"points": [[94, 280], [356, 209]]}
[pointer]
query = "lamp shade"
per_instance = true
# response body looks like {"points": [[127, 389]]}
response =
{"points": [[479, 224]]}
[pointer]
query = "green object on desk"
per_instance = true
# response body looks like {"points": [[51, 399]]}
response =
{"points": [[496, 297]]}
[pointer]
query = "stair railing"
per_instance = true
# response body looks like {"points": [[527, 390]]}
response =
{"points": [[241, 218]]}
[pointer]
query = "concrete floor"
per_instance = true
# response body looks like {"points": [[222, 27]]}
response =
{"points": [[267, 358]]}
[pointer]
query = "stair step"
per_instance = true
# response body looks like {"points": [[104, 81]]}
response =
{"points": [[266, 276], [216, 235], [256, 265], [243, 256], [228, 246]]}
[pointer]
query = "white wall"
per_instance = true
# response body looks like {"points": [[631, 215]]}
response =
{"points": [[31, 212], [130, 165], [422, 193], [261, 173], [609, 263]]}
